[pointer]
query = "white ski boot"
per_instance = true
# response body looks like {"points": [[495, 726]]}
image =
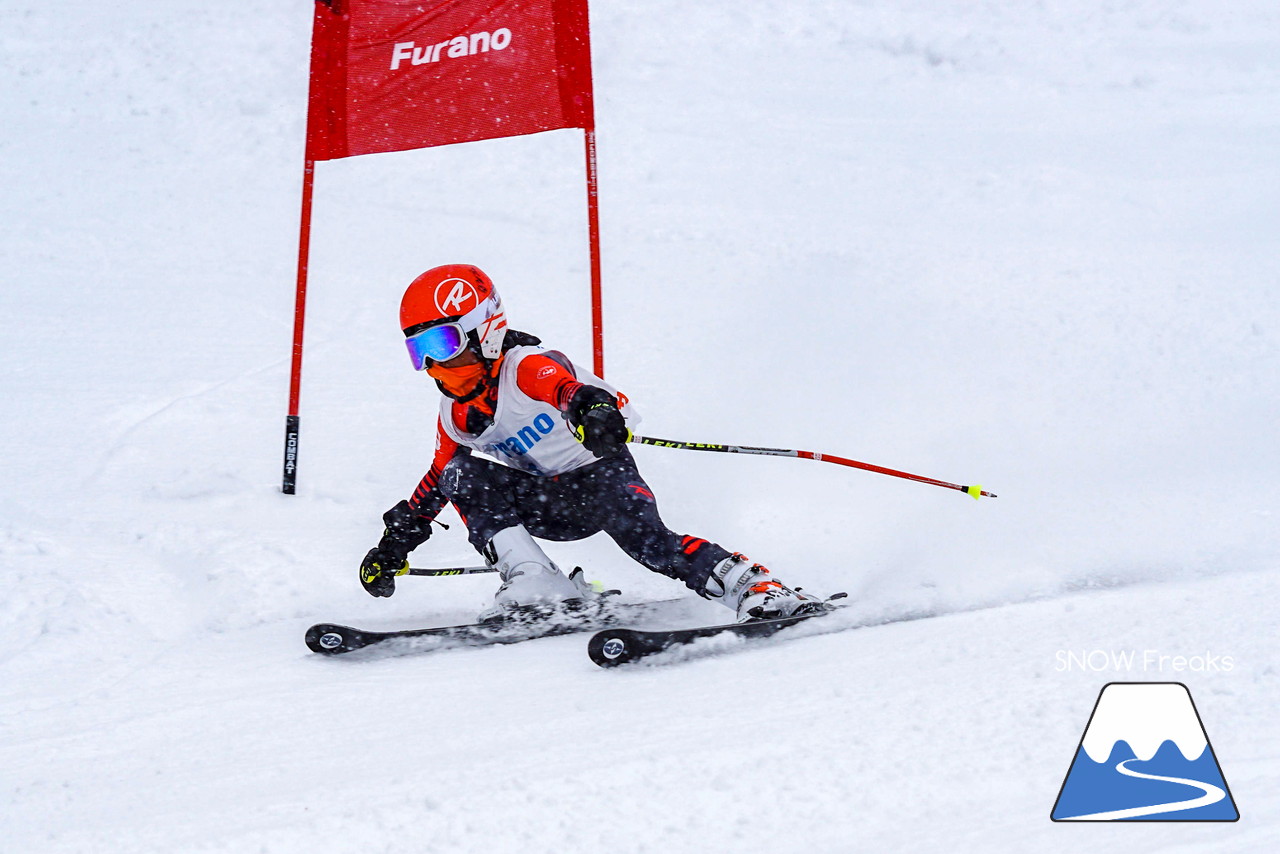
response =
{"points": [[748, 588], [528, 575]]}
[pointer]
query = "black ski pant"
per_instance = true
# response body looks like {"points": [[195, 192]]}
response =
{"points": [[608, 495]]}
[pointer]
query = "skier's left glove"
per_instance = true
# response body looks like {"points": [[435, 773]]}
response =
{"points": [[379, 569], [405, 531], [593, 414]]}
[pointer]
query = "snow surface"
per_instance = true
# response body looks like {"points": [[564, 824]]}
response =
{"points": [[1028, 244]]}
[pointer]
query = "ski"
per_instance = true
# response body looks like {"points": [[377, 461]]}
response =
{"points": [[526, 623], [615, 646]]}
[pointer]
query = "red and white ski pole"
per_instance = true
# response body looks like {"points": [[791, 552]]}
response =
{"points": [[976, 491]]}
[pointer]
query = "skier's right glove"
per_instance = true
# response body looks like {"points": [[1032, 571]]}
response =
{"points": [[405, 531], [597, 423]]}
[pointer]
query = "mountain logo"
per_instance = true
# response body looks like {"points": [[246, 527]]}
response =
{"points": [[1145, 756]]}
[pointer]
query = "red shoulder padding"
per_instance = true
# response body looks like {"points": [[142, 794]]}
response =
{"points": [[547, 379]]}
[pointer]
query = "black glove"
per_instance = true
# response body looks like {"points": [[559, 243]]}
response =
{"points": [[593, 414], [405, 531], [379, 569]]}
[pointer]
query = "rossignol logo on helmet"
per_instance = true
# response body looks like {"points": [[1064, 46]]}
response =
{"points": [[453, 48], [455, 296]]}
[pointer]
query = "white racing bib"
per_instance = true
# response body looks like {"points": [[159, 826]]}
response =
{"points": [[528, 434]]}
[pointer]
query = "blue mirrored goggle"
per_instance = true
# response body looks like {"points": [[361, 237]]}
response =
{"points": [[436, 344]]}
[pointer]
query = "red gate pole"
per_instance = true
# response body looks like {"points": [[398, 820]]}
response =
{"points": [[593, 232], [289, 482]]}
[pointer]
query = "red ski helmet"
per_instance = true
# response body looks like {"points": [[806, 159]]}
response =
{"points": [[453, 295]]}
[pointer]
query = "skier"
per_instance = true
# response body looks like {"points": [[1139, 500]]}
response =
{"points": [[561, 434]]}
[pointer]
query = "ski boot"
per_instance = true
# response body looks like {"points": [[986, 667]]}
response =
{"points": [[748, 588], [532, 585]]}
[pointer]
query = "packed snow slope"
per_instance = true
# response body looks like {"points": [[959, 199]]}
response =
{"points": [[1030, 245]]}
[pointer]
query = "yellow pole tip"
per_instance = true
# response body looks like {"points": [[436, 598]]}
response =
{"points": [[975, 491]]}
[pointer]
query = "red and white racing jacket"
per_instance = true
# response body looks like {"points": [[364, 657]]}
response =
{"points": [[528, 431]]}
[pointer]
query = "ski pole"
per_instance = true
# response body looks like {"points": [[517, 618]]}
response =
{"points": [[447, 570], [976, 491], [472, 570]]}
